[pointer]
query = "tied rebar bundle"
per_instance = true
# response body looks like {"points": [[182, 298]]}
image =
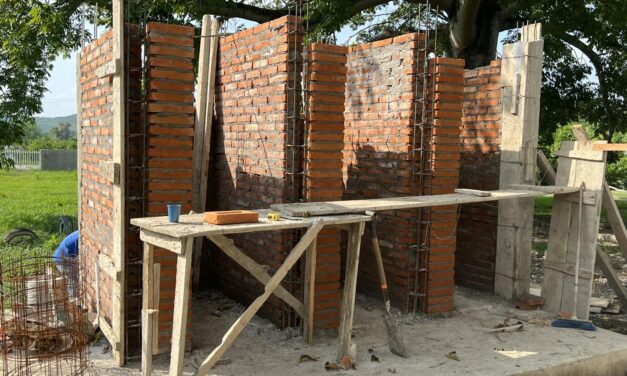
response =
{"points": [[42, 321]]}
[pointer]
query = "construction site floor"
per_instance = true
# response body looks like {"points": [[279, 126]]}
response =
{"points": [[457, 345]]}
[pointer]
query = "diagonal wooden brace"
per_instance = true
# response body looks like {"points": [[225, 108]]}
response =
{"points": [[270, 287], [227, 246]]}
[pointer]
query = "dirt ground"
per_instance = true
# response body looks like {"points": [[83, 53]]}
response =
{"points": [[459, 344]]}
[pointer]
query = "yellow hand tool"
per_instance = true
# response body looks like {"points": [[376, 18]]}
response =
{"points": [[274, 216]]}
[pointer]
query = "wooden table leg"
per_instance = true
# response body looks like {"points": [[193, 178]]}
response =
{"points": [[310, 286], [148, 309], [181, 303], [350, 284]]}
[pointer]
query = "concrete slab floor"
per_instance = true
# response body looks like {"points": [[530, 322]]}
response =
{"points": [[538, 349]]}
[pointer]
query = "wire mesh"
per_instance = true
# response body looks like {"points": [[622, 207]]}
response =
{"points": [[43, 324]]}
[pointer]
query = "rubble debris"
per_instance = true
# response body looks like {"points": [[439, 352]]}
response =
{"points": [[453, 356]]}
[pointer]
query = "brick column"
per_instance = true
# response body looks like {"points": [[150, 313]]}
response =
{"points": [[325, 143], [170, 130], [446, 94]]}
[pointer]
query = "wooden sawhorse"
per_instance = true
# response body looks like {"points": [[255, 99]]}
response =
{"points": [[179, 237]]}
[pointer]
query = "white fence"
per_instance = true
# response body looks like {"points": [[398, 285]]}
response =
{"points": [[24, 159]]}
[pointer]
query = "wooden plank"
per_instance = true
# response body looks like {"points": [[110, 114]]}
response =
{"points": [[581, 150], [615, 219], [200, 105], [545, 167], [200, 98], [611, 210], [106, 264], [181, 305], [259, 272], [192, 225], [603, 262], [164, 241], [79, 138], [609, 147], [474, 192], [211, 83], [547, 189], [148, 305], [250, 312], [311, 209], [521, 76], [156, 288], [118, 216], [310, 287], [558, 286], [108, 332], [350, 285]]}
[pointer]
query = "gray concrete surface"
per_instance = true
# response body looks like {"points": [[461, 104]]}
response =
{"points": [[51, 159], [538, 349]]}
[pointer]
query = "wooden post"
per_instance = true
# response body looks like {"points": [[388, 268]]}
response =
{"points": [[79, 135], [148, 309], [118, 151], [310, 287], [181, 305], [350, 284], [204, 98], [521, 76], [578, 163]]}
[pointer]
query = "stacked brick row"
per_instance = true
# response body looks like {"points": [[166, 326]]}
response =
{"points": [[325, 143], [170, 130], [480, 140], [96, 191], [248, 161], [445, 94]]}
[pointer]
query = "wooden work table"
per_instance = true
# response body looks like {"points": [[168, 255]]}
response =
{"points": [[179, 237]]}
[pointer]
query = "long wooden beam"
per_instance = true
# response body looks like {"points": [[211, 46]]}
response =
{"points": [[312, 209]]}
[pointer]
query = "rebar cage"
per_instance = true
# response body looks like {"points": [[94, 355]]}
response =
{"points": [[43, 322]]}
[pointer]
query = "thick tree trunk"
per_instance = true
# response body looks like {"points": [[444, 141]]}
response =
{"points": [[482, 48]]}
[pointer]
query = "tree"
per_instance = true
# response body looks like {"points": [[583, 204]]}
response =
{"points": [[584, 40], [62, 131]]}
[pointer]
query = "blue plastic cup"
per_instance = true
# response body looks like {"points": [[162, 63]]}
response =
{"points": [[174, 211]]}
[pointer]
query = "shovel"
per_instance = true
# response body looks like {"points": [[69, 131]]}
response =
{"points": [[395, 339]]}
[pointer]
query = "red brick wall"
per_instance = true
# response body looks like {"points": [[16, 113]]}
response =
{"points": [[476, 244], [96, 227], [325, 142], [248, 161], [170, 130], [379, 123], [379, 113]]}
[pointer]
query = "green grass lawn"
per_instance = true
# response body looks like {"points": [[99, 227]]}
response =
{"points": [[35, 200], [544, 205]]}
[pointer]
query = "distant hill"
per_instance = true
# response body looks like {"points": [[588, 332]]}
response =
{"points": [[45, 124]]}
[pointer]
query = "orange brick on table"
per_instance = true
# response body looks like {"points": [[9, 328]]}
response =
{"points": [[226, 217]]}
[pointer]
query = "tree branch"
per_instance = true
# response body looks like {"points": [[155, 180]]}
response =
{"points": [[597, 63], [232, 9]]}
